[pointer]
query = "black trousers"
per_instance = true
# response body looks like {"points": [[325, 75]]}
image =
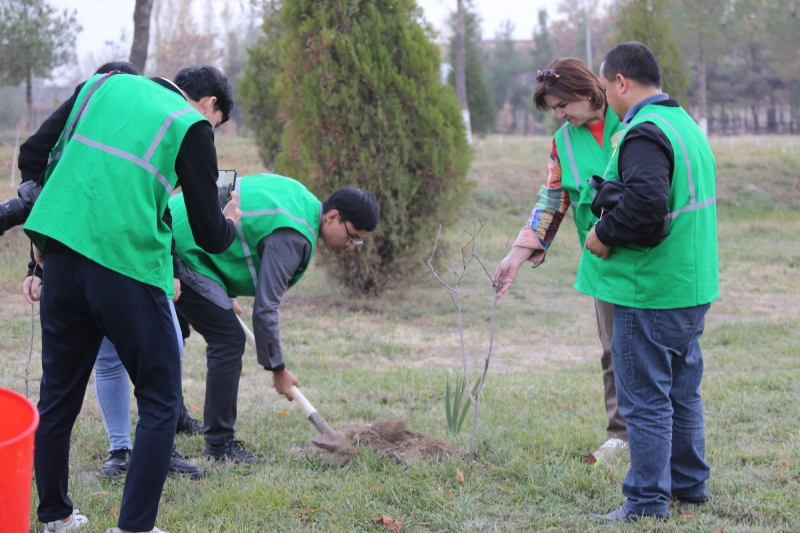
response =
{"points": [[225, 339], [83, 301]]}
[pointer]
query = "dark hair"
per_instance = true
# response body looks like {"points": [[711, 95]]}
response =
{"points": [[355, 206], [122, 66], [199, 82], [634, 61], [574, 81]]}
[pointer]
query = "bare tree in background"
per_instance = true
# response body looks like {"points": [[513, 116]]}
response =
{"points": [[179, 41], [461, 68], [141, 33]]}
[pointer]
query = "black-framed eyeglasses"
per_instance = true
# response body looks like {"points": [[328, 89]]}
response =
{"points": [[548, 76], [355, 240]]}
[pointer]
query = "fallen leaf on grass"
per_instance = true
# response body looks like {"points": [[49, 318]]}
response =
{"points": [[112, 511], [569, 405], [284, 414], [307, 511], [98, 495], [449, 493], [375, 485], [389, 523], [325, 367], [591, 459], [688, 516], [783, 463], [194, 409], [460, 476], [720, 530]]}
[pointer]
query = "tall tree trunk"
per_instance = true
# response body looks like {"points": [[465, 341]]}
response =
{"points": [[141, 33], [461, 58], [703, 89], [587, 19], [461, 69], [29, 100]]}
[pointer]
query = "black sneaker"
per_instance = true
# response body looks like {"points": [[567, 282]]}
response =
{"points": [[233, 450], [179, 465], [117, 462], [189, 426], [186, 424]]}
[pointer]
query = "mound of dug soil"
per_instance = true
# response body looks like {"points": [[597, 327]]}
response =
{"points": [[389, 438]]}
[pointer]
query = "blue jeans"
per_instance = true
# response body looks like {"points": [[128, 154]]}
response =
{"points": [[113, 392], [658, 366]]}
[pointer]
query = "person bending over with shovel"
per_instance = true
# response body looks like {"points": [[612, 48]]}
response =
{"points": [[276, 239]]}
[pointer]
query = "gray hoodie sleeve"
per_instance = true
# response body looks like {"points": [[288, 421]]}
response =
{"points": [[282, 253]]}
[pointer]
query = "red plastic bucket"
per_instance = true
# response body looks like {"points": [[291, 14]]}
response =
{"points": [[19, 419]]}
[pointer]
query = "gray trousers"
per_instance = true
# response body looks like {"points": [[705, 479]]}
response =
{"points": [[605, 328]]}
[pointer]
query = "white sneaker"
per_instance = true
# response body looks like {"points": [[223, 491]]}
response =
{"points": [[77, 522], [116, 530], [609, 448]]}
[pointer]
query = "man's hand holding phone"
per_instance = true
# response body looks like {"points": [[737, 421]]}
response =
{"points": [[232, 210]]}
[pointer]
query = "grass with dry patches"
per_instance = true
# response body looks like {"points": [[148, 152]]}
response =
{"points": [[360, 360]]}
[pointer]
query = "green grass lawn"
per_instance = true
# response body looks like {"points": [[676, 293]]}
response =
{"points": [[360, 360]]}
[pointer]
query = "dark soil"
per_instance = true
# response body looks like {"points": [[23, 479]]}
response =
{"points": [[389, 438]]}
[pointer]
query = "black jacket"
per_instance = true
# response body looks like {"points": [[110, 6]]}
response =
{"points": [[646, 164]]}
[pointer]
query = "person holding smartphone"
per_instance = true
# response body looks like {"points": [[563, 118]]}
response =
{"points": [[277, 236], [111, 378], [105, 255]]}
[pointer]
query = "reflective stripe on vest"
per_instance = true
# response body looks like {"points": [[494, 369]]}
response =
{"points": [[81, 112], [128, 157], [693, 205], [571, 157], [142, 162], [240, 232]]}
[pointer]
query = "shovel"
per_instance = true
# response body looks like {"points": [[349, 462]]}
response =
{"points": [[328, 439]]}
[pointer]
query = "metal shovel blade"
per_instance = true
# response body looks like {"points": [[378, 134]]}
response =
{"points": [[328, 439], [332, 443]]}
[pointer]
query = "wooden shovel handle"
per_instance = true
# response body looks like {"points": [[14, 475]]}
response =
{"points": [[312, 414]]}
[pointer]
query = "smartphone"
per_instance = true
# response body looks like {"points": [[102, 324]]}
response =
{"points": [[226, 183]]}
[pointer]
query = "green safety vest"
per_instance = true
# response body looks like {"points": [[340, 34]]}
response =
{"points": [[682, 271], [268, 202], [576, 170], [110, 176]]}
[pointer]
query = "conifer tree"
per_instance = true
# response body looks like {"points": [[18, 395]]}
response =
{"points": [[258, 85], [479, 94], [361, 94], [36, 39], [647, 21], [542, 44]]}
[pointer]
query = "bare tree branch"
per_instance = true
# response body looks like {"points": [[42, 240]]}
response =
{"points": [[468, 255]]}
